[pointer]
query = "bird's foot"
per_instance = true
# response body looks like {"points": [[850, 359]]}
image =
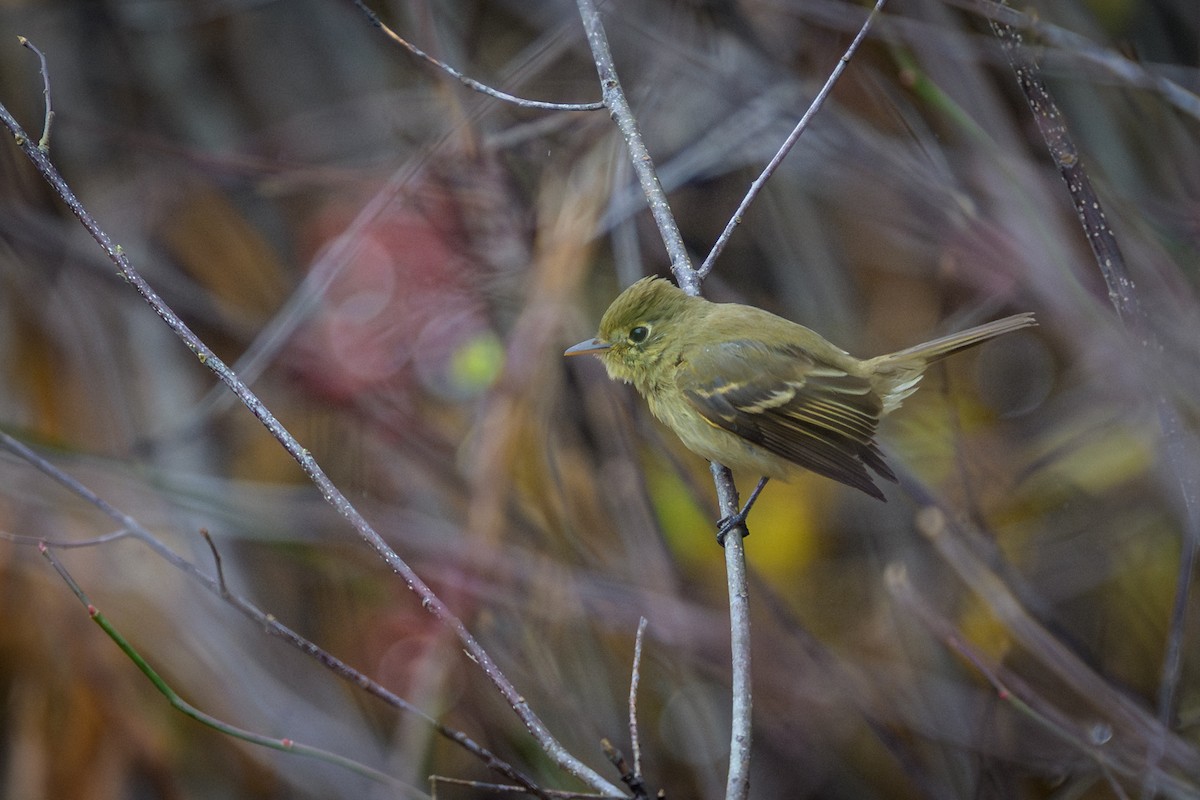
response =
{"points": [[727, 524], [738, 520]]}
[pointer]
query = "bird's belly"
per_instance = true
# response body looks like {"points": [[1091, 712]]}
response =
{"points": [[717, 444]]}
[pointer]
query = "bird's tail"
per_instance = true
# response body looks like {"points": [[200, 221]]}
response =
{"points": [[896, 375], [946, 345]]}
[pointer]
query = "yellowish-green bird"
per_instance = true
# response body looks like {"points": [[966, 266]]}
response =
{"points": [[756, 392]]}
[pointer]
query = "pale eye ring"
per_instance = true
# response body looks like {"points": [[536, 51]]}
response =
{"points": [[638, 334]]}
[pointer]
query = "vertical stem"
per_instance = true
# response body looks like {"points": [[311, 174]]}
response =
{"points": [[643, 165], [737, 786]]}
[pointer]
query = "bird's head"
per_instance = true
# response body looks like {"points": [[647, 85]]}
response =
{"points": [[638, 330]]}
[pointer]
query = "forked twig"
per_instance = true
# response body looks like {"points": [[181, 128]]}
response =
{"points": [[738, 782], [689, 279]]}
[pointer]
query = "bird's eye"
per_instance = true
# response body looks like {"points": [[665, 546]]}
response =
{"points": [[638, 335]]}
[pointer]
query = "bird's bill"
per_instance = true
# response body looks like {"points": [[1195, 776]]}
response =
{"points": [[587, 346]]}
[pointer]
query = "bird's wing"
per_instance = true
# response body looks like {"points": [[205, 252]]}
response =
{"points": [[783, 399]]}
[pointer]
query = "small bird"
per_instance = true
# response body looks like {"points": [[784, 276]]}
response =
{"points": [[756, 392]]}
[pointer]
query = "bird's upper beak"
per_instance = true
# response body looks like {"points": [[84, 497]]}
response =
{"points": [[588, 346]]}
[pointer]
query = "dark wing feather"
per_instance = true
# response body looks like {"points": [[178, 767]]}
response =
{"points": [[782, 399]]}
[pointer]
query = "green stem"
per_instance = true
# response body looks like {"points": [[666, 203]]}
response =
{"points": [[177, 702]]}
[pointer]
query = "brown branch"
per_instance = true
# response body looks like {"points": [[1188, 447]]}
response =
{"points": [[555, 794], [629, 776]]}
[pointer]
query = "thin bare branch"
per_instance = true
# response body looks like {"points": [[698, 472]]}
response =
{"points": [[44, 142], [471, 83], [643, 165], [738, 783], [757, 186], [334, 496], [268, 622], [504, 789], [635, 678], [216, 554]]}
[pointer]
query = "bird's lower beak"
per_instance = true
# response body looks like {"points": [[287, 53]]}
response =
{"points": [[589, 346]]}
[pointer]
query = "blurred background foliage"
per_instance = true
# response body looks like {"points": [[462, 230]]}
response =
{"points": [[396, 263]]}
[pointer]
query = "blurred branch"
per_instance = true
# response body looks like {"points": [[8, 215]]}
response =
{"points": [[788, 143], [1111, 263], [1095, 740], [329, 491], [181, 705], [471, 83], [1080, 47], [130, 527], [856, 687], [1129, 720]]}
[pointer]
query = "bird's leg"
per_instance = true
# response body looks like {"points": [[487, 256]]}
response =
{"points": [[726, 524]]}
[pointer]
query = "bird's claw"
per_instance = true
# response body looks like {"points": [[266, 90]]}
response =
{"points": [[726, 525], [738, 520]]}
